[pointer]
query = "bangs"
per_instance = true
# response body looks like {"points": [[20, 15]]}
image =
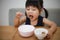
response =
{"points": [[33, 3]]}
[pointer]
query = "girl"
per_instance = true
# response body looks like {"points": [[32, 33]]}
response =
{"points": [[32, 16]]}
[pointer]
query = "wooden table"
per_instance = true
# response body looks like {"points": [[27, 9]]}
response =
{"points": [[11, 33]]}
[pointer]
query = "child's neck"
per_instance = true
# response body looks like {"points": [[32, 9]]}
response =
{"points": [[34, 22]]}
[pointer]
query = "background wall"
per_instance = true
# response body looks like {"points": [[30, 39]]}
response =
{"points": [[6, 5], [52, 4], [0, 12]]}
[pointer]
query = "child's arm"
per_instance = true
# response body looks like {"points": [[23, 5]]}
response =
{"points": [[52, 25], [18, 21]]}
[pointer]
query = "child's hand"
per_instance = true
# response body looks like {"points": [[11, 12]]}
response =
{"points": [[17, 19], [49, 35], [18, 14]]}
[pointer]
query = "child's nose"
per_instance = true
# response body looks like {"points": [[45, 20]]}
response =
{"points": [[30, 12]]}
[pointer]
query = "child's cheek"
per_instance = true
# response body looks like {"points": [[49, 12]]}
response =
{"points": [[35, 16]]}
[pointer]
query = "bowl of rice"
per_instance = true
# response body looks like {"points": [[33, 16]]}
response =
{"points": [[26, 30]]}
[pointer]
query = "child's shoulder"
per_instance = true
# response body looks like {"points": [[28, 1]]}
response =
{"points": [[47, 21]]}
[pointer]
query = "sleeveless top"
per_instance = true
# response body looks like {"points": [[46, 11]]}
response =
{"points": [[39, 22]]}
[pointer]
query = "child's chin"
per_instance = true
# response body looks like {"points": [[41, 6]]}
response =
{"points": [[32, 19]]}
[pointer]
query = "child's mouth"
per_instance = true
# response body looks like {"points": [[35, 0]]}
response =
{"points": [[31, 16]]}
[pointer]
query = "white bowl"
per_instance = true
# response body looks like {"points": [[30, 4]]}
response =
{"points": [[26, 30], [41, 33]]}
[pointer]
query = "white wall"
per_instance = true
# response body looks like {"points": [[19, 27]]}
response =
{"points": [[52, 3], [0, 12], [5, 5]]}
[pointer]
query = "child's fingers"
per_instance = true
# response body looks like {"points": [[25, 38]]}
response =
{"points": [[47, 37], [49, 34], [18, 14]]}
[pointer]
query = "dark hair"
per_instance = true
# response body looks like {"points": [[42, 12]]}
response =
{"points": [[38, 4]]}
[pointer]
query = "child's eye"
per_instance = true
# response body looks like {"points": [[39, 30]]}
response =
{"points": [[28, 9], [33, 9]]}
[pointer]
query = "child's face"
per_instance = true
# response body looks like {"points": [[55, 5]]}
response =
{"points": [[32, 12]]}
